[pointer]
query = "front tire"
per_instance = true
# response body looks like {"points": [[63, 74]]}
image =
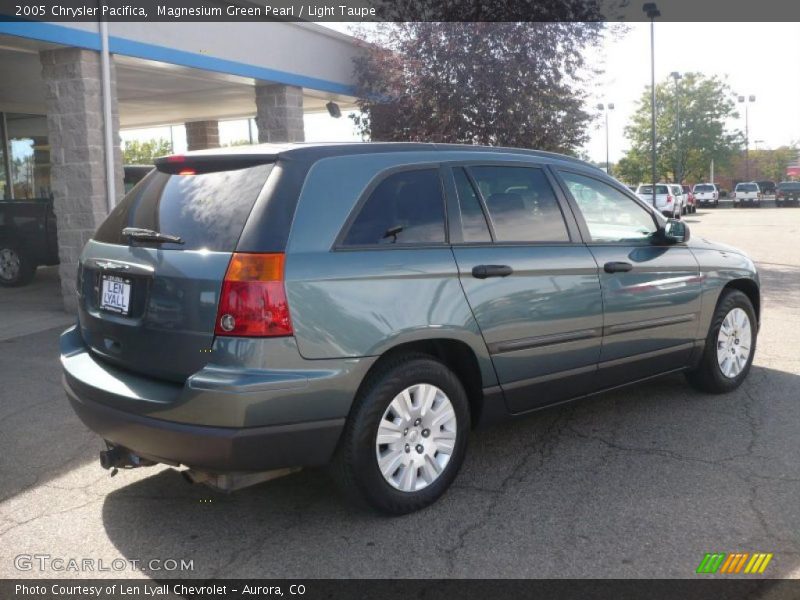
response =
{"points": [[406, 436], [730, 345]]}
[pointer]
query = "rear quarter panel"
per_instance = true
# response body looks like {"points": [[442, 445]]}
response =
{"points": [[351, 303]]}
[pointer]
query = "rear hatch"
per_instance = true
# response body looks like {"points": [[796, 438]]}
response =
{"points": [[704, 192], [789, 189], [645, 192], [148, 303]]}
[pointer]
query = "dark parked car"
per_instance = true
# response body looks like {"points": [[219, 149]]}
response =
{"points": [[134, 174], [788, 192], [27, 239], [28, 233], [767, 187], [255, 310]]}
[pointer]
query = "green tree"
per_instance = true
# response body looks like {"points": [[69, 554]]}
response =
{"points": [[143, 153], [771, 164], [511, 84], [632, 168], [691, 130]]}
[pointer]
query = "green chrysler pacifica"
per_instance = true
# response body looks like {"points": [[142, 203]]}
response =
{"points": [[250, 311]]}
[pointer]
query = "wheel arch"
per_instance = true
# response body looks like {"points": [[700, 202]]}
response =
{"points": [[456, 354], [750, 289]]}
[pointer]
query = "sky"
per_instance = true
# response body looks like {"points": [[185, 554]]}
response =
{"points": [[761, 59]]}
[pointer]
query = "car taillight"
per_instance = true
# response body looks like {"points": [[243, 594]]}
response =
{"points": [[669, 199], [253, 299]]}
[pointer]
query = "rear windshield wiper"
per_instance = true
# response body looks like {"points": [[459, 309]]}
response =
{"points": [[149, 235]]}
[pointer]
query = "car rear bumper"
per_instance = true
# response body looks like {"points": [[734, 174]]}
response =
{"points": [[223, 418], [222, 449]]}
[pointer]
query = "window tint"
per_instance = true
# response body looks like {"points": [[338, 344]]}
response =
{"points": [[610, 215], [746, 187], [207, 211], [405, 208], [473, 222], [704, 188], [521, 204]]}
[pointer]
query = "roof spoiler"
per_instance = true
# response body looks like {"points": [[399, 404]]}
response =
{"points": [[191, 164]]}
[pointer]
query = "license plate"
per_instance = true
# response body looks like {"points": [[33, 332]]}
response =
{"points": [[115, 294]]}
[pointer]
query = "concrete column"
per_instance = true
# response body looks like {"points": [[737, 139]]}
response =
{"points": [[202, 134], [73, 97], [279, 113]]}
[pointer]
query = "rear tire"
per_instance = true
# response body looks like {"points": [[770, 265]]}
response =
{"points": [[719, 372], [409, 400], [16, 268]]}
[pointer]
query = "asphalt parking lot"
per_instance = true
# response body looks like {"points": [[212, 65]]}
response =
{"points": [[637, 483]]}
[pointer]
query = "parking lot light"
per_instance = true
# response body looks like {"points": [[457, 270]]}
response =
{"points": [[606, 107], [678, 175], [652, 12]]}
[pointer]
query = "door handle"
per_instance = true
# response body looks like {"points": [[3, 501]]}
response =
{"points": [[484, 271], [617, 267]]}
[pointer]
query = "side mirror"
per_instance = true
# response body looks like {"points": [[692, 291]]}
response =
{"points": [[676, 232]]}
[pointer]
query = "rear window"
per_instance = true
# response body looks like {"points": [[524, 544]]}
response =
{"points": [[208, 211], [789, 185], [746, 187], [648, 189], [704, 188]]}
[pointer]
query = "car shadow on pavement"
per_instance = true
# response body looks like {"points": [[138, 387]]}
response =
{"points": [[640, 482], [41, 438]]}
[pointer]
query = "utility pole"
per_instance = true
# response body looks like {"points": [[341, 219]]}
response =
{"points": [[747, 101]]}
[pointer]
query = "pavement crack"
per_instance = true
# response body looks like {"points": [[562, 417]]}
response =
{"points": [[542, 446]]}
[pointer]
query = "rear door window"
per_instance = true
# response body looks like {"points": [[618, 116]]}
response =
{"points": [[521, 204], [207, 210], [406, 207]]}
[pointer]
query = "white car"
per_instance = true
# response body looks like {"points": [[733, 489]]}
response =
{"points": [[748, 192], [706, 193], [683, 198], [668, 202]]}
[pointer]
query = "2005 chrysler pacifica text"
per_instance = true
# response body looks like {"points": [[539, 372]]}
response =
{"points": [[247, 312]]}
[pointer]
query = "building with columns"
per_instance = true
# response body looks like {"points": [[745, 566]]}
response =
{"points": [[66, 89]]}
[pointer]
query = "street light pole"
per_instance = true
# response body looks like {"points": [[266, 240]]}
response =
{"points": [[651, 10], [747, 101], [678, 175], [607, 107]]}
